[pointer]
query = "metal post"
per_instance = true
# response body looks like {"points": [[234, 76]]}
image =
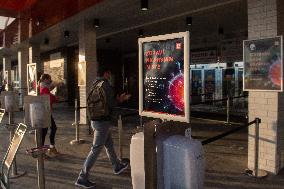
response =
{"points": [[40, 161], [12, 132], [76, 120], [76, 123], [120, 130], [141, 121], [259, 173], [228, 110], [256, 143]]}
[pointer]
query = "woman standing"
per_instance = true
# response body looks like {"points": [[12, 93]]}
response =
{"points": [[46, 86]]}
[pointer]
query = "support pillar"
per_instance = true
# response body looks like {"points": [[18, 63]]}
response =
{"points": [[264, 19], [7, 70], [87, 53], [23, 59]]}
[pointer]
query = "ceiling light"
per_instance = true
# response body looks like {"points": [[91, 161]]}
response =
{"points": [[220, 30], [46, 41], [188, 21], [141, 33], [144, 5], [96, 23], [66, 33]]}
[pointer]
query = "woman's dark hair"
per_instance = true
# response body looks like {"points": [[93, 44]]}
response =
{"points": [[102, 70], [44, 77]]}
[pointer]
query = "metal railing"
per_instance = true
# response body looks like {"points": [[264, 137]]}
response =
{"points": [[255, 122]]}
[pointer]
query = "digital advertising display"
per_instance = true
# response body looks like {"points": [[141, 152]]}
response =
{"points": [[263, 67], [164, 77]]}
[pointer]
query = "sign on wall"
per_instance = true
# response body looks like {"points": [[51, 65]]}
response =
{"points": [[164, 76], [32, 79], [263, 64], [204, 56]]}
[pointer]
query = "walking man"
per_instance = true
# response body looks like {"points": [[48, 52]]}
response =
{"points": [[100, 103]]}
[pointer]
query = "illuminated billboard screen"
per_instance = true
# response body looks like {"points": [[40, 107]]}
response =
{"points": [[164, 77]]}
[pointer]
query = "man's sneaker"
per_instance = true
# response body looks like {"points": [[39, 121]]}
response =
{"points": [[85, 183], [121, 167]]}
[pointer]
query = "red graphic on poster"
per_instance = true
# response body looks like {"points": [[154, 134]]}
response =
{"points": [[275, 72], [178, 45], [176, 92]]}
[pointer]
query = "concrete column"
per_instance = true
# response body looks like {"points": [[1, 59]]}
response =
{"points": [[23, 59], [263, 22], [7, 70], [87, 53]]}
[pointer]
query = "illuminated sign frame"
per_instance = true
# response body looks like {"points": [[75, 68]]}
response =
{"points": [[164, 115], [31, 91]]}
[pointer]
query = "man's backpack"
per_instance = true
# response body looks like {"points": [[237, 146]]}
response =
{"points": [[97, 107]]}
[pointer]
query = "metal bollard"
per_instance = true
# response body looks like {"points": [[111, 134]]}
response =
{"points": [[141, 121], [228, 111], [40, 161], [257, 172], [77, 126], [120, 132]]}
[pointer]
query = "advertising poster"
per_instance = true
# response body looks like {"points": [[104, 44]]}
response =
{"points": [[228, 82], [263, 67], [196, 82], [164, 77], [209, 83], [32, 79]]}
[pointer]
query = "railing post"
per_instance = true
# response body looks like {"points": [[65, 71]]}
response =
{"points": [[228, 110], [77, 125], [213, 99], [120, 130], [76, 120], [12, 132], [256, 143], [259, 173], [40, 160], [141, 121]]}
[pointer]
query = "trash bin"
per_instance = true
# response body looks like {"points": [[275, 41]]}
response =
{"points": [[184, 163], [137, 161]]}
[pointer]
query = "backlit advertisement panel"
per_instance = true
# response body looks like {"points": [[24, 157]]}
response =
{"points": [[164, 77]]}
